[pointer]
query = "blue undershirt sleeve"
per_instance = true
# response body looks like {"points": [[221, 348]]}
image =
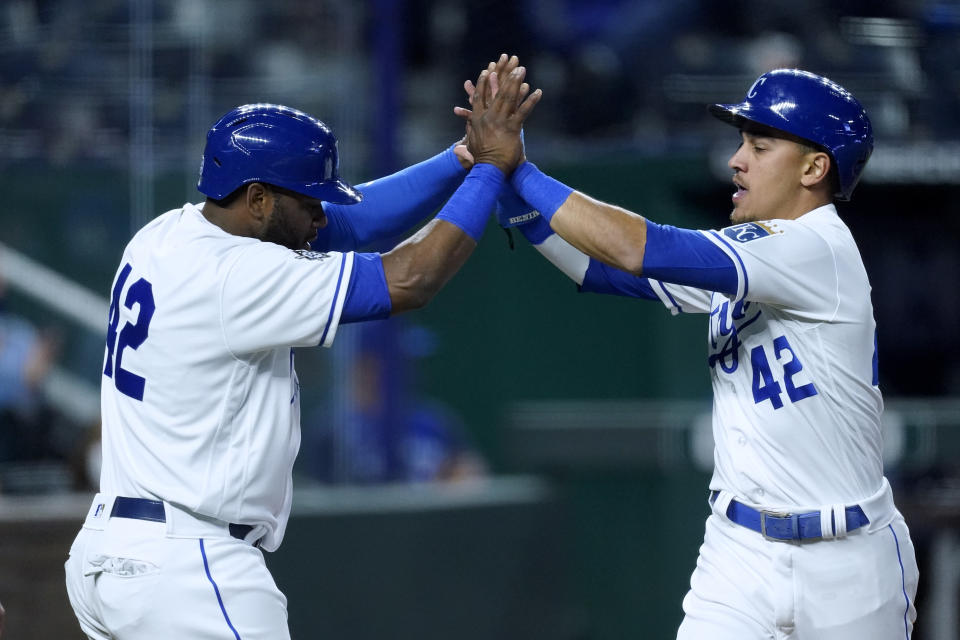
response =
{"points": [[602, 278], [391, 206], [687, 257], [368, 297]]}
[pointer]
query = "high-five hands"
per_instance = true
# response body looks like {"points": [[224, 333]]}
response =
{"points": [[499, 107], [496, 71]]}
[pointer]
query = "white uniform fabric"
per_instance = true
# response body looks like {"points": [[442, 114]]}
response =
{"points": [[186, 578], [200, 405], [796, 417], [797, 428], [747, 588]]}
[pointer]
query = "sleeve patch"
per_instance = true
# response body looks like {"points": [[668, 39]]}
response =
{"points": [[303, 254], [751, 231]]}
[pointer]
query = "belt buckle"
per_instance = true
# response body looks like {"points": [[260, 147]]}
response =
{"points": [[773, 514]]}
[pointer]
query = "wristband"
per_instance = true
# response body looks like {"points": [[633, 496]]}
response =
{"points": [[542, 192], [470, 206]]}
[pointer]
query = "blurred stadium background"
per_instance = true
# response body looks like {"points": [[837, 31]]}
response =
{"points": [[517, 460]]}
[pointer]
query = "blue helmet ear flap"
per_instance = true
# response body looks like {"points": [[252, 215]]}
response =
{"points": [[815, 109], [276, 145]]}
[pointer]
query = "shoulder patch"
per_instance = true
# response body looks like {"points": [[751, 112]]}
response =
{"points": [[303, 254], [751, 231]]}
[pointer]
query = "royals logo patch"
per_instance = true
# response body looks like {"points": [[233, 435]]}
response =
{"points": [[751, 231], [303, 254]]}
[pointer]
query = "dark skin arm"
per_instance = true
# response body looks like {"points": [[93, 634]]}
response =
{"points": [[419, 267]]}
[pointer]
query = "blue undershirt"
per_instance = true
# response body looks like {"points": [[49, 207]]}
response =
{"points": [[602, 278], [368, 295], [391, 206], [680, 256], [687, 257]]}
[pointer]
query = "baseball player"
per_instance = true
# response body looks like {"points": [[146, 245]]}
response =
{"points": [[804, 540], [199, 396]]}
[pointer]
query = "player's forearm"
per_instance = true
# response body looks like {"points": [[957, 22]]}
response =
{"points": [[602, 231], [591, 275], [419, 267], [393, 204]]}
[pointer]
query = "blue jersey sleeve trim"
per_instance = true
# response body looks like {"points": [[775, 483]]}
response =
{"points": [[602, 278], [391, 206], [368, 296], [333, 301], [686, 257], [673, 301], [743, 268]]}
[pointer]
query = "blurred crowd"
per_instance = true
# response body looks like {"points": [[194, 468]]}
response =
{"points": [[68, 67]]}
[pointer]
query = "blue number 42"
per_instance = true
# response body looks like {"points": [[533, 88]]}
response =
{"points": [[131, 335], [766, 387]]}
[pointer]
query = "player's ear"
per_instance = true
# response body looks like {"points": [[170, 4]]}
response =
{"points": [[816, 169], [259, 200]]}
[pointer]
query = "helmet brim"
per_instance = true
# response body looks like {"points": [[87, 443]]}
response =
{"points": [[730, 113], [332, 191]]}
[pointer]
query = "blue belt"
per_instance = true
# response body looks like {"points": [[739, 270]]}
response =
{"points": [[152, 510], [787, 526]]}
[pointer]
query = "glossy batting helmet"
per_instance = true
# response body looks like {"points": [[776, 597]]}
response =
{"points": [[815, 109], [275, 145]]}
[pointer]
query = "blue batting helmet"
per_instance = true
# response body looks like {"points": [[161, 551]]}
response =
{"points": [[275, 145], [812, 108]]}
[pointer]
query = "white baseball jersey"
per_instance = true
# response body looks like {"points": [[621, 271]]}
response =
{"points": [[199, 397], [796, 418], [796, 423]]}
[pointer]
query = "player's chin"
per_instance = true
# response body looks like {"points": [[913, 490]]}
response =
{"points": [[740, 215]]}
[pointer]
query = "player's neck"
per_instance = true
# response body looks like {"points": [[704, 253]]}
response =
{"points": [[230, 220], [807, 202]]}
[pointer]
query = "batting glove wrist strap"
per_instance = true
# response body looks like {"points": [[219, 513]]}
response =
{"points": [[539, 190]]}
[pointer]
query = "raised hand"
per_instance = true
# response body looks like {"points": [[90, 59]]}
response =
{"points": [[495, 121], [504, 65]]}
